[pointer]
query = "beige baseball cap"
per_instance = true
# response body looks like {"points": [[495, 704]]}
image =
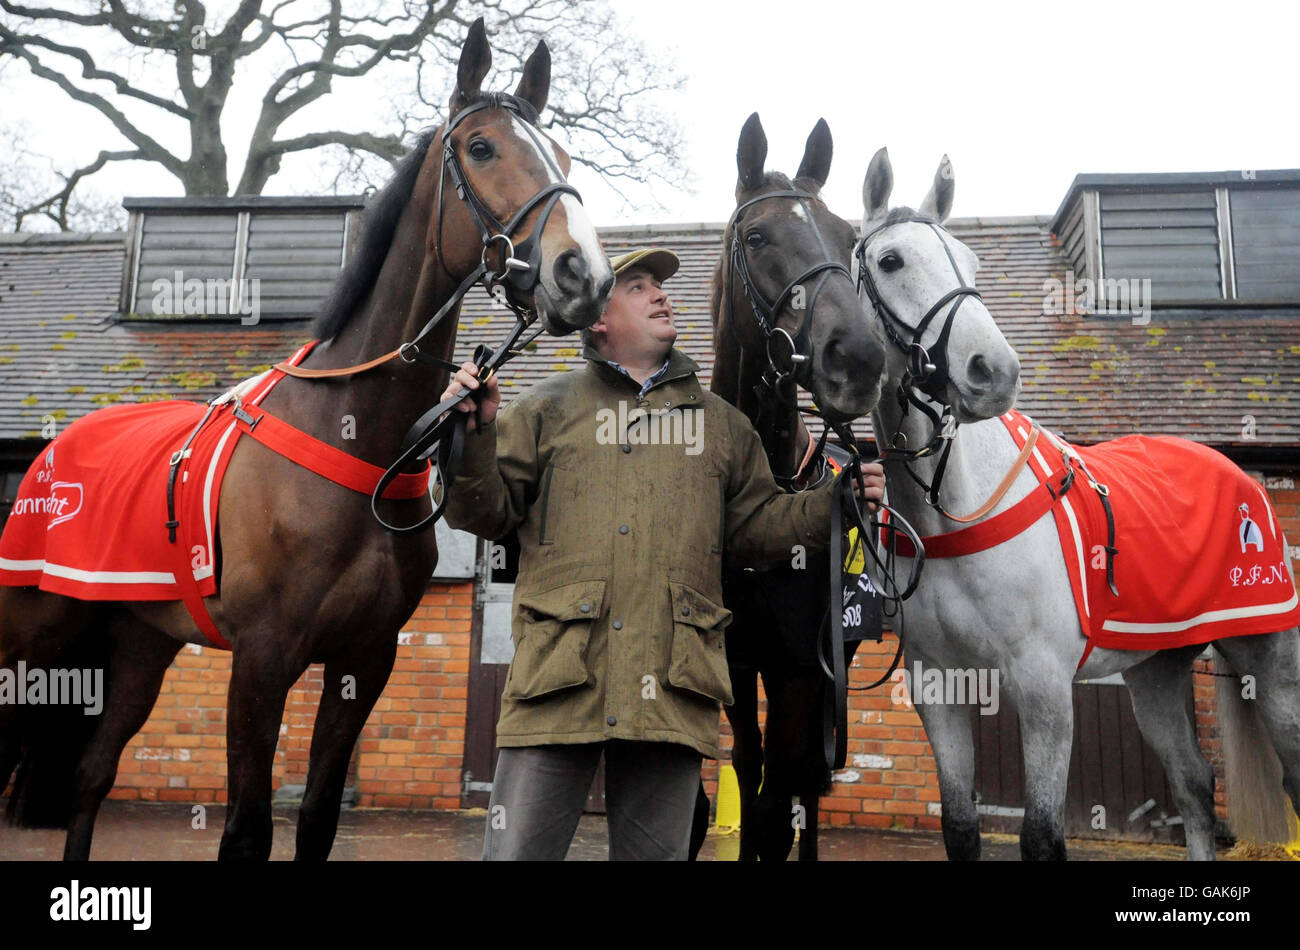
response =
{"points": [[660, 262]]}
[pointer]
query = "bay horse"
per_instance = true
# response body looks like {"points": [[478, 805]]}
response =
{"points": [[1010, 606], [785, 312], [306, 574]]}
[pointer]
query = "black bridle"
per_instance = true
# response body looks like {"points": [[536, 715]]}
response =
{"points": [[520, 273], [767, 313], [926, 375]]}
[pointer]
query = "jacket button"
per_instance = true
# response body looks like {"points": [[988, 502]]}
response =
{"points": [[623, 529], [686, 611], [627, 449], [610, 720], [585, 608], [618, 625], [668, 403]]}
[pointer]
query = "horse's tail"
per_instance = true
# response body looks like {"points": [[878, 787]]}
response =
{"points": [[1258, 808], [41, 744]]}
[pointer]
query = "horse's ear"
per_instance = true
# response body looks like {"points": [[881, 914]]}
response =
{"points": [[535, 85], [877, 186], [475, 61], [816, 164], [938, 203], [750, 155]]}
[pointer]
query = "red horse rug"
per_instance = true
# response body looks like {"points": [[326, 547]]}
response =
{"points": [[1199, 551], [92, 519]]}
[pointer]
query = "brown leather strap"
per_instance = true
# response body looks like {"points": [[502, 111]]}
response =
{"points": [[303, 373], [1007, 481]]}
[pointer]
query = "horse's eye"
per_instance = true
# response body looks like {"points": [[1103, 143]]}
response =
{"points": [[480, 150], [890, 262], [754, 240]]}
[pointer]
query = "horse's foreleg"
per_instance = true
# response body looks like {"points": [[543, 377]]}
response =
{"points": [[948, 729], [1046, 706], [139, 662], [809, 802], [352, 687], [746, 753], [260, 680], [1160, 688]]}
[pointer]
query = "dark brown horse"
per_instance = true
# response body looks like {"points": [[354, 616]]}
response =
{"points": [[306, 575], [785, 312]]}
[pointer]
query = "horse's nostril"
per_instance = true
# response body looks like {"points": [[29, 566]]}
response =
{"points": [[978, 374], [571, 272]]}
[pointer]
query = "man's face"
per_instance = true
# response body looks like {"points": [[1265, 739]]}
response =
{"points": [[638, 321]]}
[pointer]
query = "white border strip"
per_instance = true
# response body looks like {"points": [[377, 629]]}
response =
{"points": [[1213, 616], [89, 577]]}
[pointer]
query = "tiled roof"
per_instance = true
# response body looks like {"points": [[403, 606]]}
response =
{"points": [[1195, 374]]}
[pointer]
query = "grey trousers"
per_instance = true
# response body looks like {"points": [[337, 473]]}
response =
{"points": [[538, 793]]}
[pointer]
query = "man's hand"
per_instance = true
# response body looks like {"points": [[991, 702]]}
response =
{"points": [[467, 378], [871, 486]]}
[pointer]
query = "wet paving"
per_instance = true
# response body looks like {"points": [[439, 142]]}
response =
{"points": [[130, 831]]}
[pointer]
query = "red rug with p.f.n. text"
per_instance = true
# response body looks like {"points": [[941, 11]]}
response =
{"points": [[1200, 552]]}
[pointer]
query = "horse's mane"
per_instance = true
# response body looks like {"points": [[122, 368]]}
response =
{"points": [[904, 213], [378, 225]]}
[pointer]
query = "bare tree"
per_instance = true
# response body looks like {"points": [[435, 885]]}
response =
{"points": [[607, 89], [33, 189]]}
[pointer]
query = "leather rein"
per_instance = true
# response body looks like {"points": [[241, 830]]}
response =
{"points": [[438, 430]]}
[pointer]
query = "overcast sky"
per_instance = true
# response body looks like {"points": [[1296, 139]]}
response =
{"points": [[1021, 96]]}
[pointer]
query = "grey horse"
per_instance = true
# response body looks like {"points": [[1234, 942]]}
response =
{"points": [[1010, 608]]}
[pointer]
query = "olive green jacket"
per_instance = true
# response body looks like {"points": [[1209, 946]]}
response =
{"points": [[622, 519]]}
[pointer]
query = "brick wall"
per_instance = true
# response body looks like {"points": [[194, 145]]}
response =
{"points": [[409, 754]]}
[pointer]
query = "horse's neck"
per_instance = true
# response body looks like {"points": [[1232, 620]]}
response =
{"points": [[736, 373], [369, 414], [981, 454]]}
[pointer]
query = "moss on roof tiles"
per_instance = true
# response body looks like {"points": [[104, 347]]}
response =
{"points": [[127, 364], [1078, 342], [193, 379]]}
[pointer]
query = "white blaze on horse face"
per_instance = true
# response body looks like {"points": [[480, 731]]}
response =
{"points": [[581, 230]]}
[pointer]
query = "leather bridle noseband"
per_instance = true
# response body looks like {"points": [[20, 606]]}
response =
{"points": [[520, 273], [926, 375], [800, 345]]}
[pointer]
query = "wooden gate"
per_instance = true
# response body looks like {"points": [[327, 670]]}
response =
{"points": [[1117, 787]]}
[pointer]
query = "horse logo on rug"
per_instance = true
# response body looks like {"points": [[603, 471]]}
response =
{"points": [[1250, 533]]}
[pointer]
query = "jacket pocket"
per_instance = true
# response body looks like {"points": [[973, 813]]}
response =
{"points": [[552, 630], [698, 662]]}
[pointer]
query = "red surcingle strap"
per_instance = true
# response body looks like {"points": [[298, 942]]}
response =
{"points": [[302, 449], [992, 531], [986, 534], [325, 460]]}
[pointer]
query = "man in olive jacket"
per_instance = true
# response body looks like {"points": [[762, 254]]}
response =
{"points": [[625, 481]]}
